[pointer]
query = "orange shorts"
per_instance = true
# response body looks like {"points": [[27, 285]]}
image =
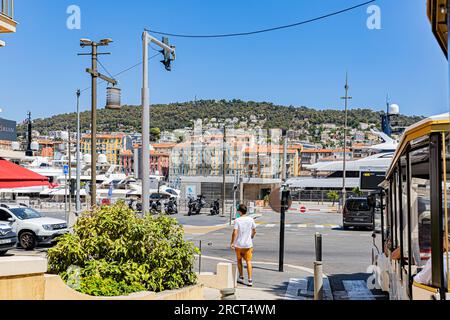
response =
{"points": [[246, 254]]}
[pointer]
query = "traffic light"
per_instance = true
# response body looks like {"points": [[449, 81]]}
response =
{"points": [[168, 57]]}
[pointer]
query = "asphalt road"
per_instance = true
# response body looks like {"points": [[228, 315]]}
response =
{"points": [[346, 254]]}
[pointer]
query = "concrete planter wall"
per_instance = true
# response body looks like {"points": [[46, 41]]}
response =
{"points": [[24, 278]]}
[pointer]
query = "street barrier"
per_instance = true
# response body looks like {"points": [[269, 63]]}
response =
{"points": [[318, 269]]}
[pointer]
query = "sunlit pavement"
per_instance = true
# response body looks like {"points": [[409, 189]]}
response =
{"points": [[346, 254]]}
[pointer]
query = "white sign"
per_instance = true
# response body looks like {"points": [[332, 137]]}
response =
{"points": [[191, 192]]}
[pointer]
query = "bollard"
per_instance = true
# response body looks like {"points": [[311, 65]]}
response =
{"points": [[318, 269], [318, 242], [228, 294], [318, 281]]}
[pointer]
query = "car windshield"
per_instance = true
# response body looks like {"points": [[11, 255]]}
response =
{"points": [[25, 213], [358, 205]]}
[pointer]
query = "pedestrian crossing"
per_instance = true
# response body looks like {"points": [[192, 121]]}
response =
{"points": [[303, 289], [300, 226]]}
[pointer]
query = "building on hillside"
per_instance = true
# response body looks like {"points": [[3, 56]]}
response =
{"points": [[254, 155], [110, 145]]}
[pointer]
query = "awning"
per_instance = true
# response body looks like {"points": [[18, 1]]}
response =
{"points": [[14, 176]]}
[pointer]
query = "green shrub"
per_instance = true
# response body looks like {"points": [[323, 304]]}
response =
{"points": [[118, 253]]}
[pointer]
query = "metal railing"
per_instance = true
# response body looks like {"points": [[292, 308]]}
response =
{"points": [[7, 8]]}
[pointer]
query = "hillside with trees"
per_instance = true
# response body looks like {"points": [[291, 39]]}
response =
{"points": [[180, 115]]}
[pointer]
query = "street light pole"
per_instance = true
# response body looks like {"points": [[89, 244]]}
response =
{"points": [[145, 161], [94, 75], [145, 165], [224, 171], [344, 176], [78, 199]]}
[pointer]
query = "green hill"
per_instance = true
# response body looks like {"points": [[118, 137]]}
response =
{"points": [[180, 115]]}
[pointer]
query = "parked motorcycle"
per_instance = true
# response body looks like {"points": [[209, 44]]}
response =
{"points": [[196, 206], [155, 207], [170, 207], [215, 208]]}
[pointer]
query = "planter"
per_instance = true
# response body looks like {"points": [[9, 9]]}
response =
{"points": [[24, 278]]}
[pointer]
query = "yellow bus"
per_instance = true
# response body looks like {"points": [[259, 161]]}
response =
{"points": [[415, 215]]}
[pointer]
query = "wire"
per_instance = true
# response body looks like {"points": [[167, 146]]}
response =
{"points": [[104, 68], [121, 72], [263, 30]]}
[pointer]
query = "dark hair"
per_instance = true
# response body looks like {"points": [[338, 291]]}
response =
{"points": [[243, 209]]}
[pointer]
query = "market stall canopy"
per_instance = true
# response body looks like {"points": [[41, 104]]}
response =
{"points": [[14, 176]]}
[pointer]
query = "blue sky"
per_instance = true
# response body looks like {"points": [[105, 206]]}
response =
{"points": [[301, 66]]}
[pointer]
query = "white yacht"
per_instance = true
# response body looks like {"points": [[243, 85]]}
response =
{"points": [[329, 175]]}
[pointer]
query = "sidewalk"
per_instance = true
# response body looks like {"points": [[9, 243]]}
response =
{"points": [[295, 283]]}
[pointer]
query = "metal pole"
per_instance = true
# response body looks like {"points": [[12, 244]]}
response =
{"points": [[70, 171], [78, 200], [224, 169], [65, 197], [145, 165], [94, 128], [284, 177], [318, 269], [344, 187], [234, 195], [284, 204]]}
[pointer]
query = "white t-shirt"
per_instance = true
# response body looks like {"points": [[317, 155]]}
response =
{"points": [[425, 277], [244, 226]]}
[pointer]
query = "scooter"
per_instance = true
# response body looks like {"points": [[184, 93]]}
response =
{"points": [[215, 208], [155, 207], [196, 206], [170, 207]]}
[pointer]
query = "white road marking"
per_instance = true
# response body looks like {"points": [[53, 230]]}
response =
{"points": [[297, 289], [270, 225], [303, 226], [319, 226], [357, 290]]}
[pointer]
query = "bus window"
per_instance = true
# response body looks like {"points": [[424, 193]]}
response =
{"points": [[421, 224], [404, 205]]}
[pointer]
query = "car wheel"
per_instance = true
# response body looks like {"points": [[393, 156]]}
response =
{"points": [[2, 253], [27, 240]]}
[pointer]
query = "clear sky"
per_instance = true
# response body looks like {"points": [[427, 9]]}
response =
{"points": [[40, 69]]}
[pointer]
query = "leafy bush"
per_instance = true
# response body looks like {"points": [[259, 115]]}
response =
{"points": [[118, 253]]}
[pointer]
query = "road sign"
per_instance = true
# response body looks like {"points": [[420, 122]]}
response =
{"points": [[275, 200], [110, 191], [302, 209], [66, 170]]}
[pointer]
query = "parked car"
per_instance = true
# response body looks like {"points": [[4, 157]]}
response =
{"points": [[358, 212], [31, 227], [8, 239]]}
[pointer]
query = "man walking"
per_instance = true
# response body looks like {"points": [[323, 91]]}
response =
{"points": [[242, 241]]}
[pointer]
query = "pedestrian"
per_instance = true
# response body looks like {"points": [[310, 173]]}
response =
{"points": [[242, 242]]}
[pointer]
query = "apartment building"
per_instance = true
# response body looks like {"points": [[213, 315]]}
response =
{"points": [[7, 22], [111, 145]]}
